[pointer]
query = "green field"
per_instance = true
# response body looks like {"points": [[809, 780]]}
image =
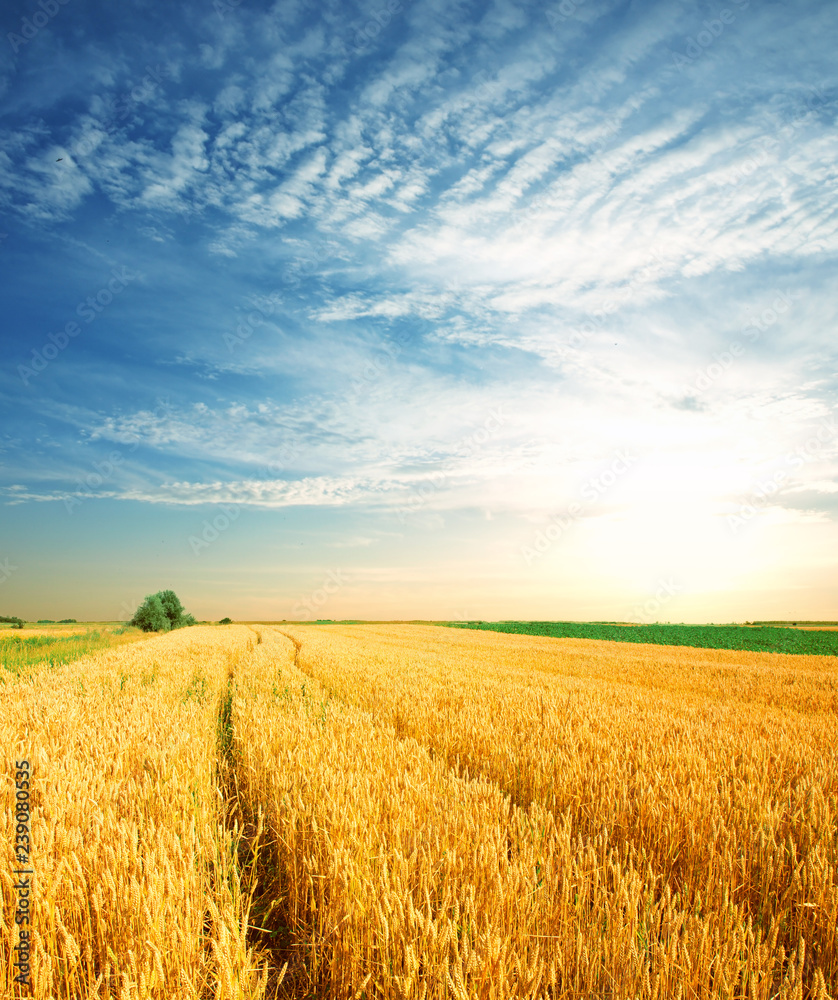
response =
{"points": [[19, 652], [757, 638]]}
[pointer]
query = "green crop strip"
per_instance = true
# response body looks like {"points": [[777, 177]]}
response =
{"points": [[756, 639]]}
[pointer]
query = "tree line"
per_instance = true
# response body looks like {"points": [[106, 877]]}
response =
{"points": [[160, 612]]}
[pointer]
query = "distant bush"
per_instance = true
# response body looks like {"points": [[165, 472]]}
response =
{"points": [[226, 621], [161, 612], [46, 621], [151, 616], [172, 606], [16, 622], [67, 621]]}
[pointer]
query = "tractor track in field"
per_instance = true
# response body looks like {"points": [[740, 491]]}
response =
{"points": [[461, 769], [243, 826], [462, 766], [399, 734], [267, 930], [298, 645]]}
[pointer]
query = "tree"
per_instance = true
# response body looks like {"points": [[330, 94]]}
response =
{"points": [[160, 612], [172, 606], [151, 616], [226, 621]]}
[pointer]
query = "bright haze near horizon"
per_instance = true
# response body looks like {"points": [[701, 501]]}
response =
{"points": [[419, 309]]}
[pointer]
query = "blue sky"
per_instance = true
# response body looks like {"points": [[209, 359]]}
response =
{"points": [[419, 309]]}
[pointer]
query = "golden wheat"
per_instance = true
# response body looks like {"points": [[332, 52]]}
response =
{"points": [[426, 814], [700, 789], [136, 890]]}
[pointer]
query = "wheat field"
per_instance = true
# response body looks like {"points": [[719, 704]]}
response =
{"points": [[407, 811], [136, 890]]}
